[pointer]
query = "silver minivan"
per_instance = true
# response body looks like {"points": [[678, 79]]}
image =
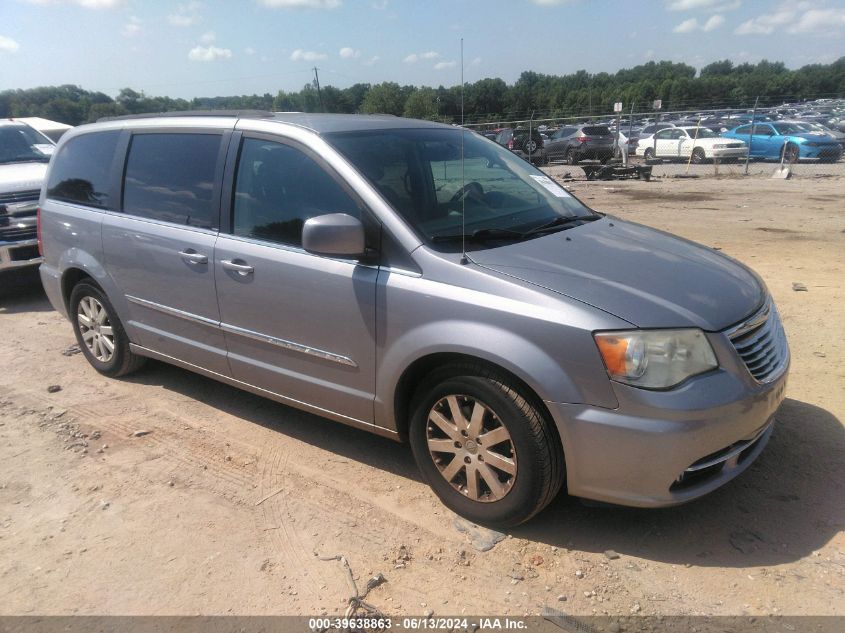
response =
{"points": [[421, 282]]}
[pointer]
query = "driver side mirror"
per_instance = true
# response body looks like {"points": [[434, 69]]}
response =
{"points": [[334, 235]]}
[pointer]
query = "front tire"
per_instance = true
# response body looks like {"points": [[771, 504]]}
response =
{"points": [[648, 154], [100, 333], [483, 446], [698, 156]]}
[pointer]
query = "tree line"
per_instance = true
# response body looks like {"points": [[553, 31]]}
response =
{"points": [[679, 86]]}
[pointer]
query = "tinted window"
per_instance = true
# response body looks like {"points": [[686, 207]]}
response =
{"points": [[745, 129], [171, 177], [596, 130], [80, 172], [663, 134], [278, 187]]}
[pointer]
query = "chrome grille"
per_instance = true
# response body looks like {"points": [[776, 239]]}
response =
{"points": [[19, 196], [761, 343]]}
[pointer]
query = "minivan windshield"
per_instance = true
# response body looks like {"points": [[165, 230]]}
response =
{"points": [[488, 196], [22, 144]]}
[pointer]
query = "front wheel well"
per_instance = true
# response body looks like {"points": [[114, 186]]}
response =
{"points": [[416, 372]]}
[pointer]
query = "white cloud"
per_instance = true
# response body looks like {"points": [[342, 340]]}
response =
{"points": [[349, 53], [475, 62], [208, 37], [88, 4], [687, 26], [131, 28], [713, 23], [372, 60], [8, 45], [208, 54], [185, 15], [380, 5], [442, 65], [249, 50], [692, 24], [796, 17], [300, 4], [819, 21], [708, 5], [300, 55], [413, 58], [550, 3]]}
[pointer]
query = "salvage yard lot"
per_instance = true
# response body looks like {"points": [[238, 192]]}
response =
{"points": [[222, 504]]}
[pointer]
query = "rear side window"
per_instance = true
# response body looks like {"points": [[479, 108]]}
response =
{"points": [[172, 178], [81, 170], [597, 130]]}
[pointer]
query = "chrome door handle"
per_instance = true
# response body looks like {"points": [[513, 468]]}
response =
{"points": [[241, 269], [192, 257]]}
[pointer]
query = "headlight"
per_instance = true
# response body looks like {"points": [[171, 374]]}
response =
{"points": [[655, 359]]}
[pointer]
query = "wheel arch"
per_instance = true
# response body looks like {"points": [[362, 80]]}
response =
{"points": [[405, 388]]}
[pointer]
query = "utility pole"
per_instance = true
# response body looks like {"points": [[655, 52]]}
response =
{"points": [[317, 81]]}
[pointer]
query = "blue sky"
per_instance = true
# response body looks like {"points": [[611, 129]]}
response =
{"points": [[216, 47]]}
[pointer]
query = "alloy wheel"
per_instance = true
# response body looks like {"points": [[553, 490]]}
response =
{"points": [[471, 448], [96, 329]]}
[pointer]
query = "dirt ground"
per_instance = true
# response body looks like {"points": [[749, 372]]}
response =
{"points": [[221, 507]]}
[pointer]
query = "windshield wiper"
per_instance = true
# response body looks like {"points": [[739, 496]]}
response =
{"points": [[27, 159], [479, 236], [559, 222]]}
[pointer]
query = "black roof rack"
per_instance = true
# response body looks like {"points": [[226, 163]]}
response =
{"points": [[239, 114]]}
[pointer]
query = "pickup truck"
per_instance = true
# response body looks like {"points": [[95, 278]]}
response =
{"points": [[24, 154]]}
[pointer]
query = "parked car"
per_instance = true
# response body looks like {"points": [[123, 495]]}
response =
{"points": [[649, 130], [24, 153], [574, 143], [787, 141], [525, 143], [821, 129], [414, 280], [698, 144]]}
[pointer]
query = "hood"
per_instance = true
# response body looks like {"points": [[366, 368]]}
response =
{"points": [[16, 177], [646, 277], [817, 137]]}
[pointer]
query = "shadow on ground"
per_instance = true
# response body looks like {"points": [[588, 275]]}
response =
{"points": [[784, 507], [21, 291]]}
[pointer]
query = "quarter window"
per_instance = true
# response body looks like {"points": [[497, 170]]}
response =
{"points": [[81, 170], [278, 187], [171, 177]]}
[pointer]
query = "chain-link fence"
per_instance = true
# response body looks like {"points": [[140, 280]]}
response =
{"points": [[806, 139]]}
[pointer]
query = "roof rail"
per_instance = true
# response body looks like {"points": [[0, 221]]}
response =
{"points": [[238, 114]]}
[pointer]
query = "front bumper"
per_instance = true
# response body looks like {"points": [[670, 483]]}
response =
{"points": [[19, 254], [730, 152], [663, 448], [821, 152]]}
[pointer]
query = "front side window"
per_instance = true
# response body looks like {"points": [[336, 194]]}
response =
{"points": [[278, 187], [81, 170], [421, 174], [171, 177]]}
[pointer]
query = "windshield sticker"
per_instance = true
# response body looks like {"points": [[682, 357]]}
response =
{"points": [[551, 186]]}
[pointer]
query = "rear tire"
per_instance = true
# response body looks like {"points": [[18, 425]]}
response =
{"points": [[790, 154], [570, 157], [483, 446], [100, 333]]}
